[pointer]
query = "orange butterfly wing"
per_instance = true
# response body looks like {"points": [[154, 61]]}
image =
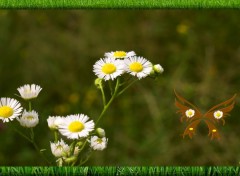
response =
{"points": [[223, 108], [183, 105]]}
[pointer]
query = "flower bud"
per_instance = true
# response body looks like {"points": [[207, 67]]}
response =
{"points": [[70, 159], [100, 132], [98, 83], [158, 69]]}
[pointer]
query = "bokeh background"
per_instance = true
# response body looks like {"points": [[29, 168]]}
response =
{"points": [[199, 50]]}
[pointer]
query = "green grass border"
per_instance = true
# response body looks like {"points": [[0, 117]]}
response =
{"points": [[42, 4], [130, 171]]}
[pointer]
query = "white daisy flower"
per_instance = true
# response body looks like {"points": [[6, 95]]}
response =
{"points": [[76, 126], [190, 113], [138, 66], [29, 91], [60, 148], [9, 109], [29, 119], [97, 143], [119, 54], [218, 114], [54, 122], [108, 68]]}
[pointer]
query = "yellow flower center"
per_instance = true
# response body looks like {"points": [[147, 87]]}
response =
{"points": [[190, 113], [76, 126], [59, 147], [190, 129], [109, 68], [29, 117], [136, 67], [27, 91], [99, 140], [119, 54], [214, 130], [6, 111], [218, 114]]}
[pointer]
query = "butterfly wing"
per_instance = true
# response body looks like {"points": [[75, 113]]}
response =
{"points": [[220, 111], [183, 106], [191, 128]]}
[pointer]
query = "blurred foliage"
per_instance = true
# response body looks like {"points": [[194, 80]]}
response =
{"points": [[56, 49]]}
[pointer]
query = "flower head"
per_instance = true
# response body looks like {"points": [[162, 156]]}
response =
{"points": [[29, 119], [76, 126], [9, 109], [119, 54], [138, 66], [108, 68], [29, 91], [190, 113], [97, 143], [60, 148], [54, 122], [158, 68], [218, 114]]}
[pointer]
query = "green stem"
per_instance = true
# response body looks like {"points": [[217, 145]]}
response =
{"points": [[31, 140], [73, 147], [127, 87], [109, 103], [103, 95], [55, 136], [30, 106], [84, 161], [110, 86]]}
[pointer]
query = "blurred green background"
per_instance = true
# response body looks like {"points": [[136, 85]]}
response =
{"points": [[199, 50]]}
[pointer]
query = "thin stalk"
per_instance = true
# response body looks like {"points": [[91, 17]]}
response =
{"points": [[29, 105], [109, 103], [127, 87], [110, 86], [31, 140], [73, 147], [55, 136], [103, 95]]}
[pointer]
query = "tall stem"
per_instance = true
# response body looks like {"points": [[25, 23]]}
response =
{"points": [[29, 105], [109, 102]]}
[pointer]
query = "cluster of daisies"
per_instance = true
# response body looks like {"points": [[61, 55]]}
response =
{"points": [[11, 109], [119, 62], [74, 127], [78, 128]]}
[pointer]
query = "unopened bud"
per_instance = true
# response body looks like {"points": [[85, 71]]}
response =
{"points": [[70, 159], [158, 68], [98, 83], [100, 132]]}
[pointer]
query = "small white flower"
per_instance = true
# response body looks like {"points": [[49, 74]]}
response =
{"points": [[29, 119], [9, 109], [108, 68], [60, 148], [190, 113], [54, 122], [29, 91], [119, 54], [76, 126], [218, 114], [97, 143], [138, 66], [158, 68]]}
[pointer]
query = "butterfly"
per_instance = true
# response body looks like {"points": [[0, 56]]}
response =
{"points": [[191, 114]]}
